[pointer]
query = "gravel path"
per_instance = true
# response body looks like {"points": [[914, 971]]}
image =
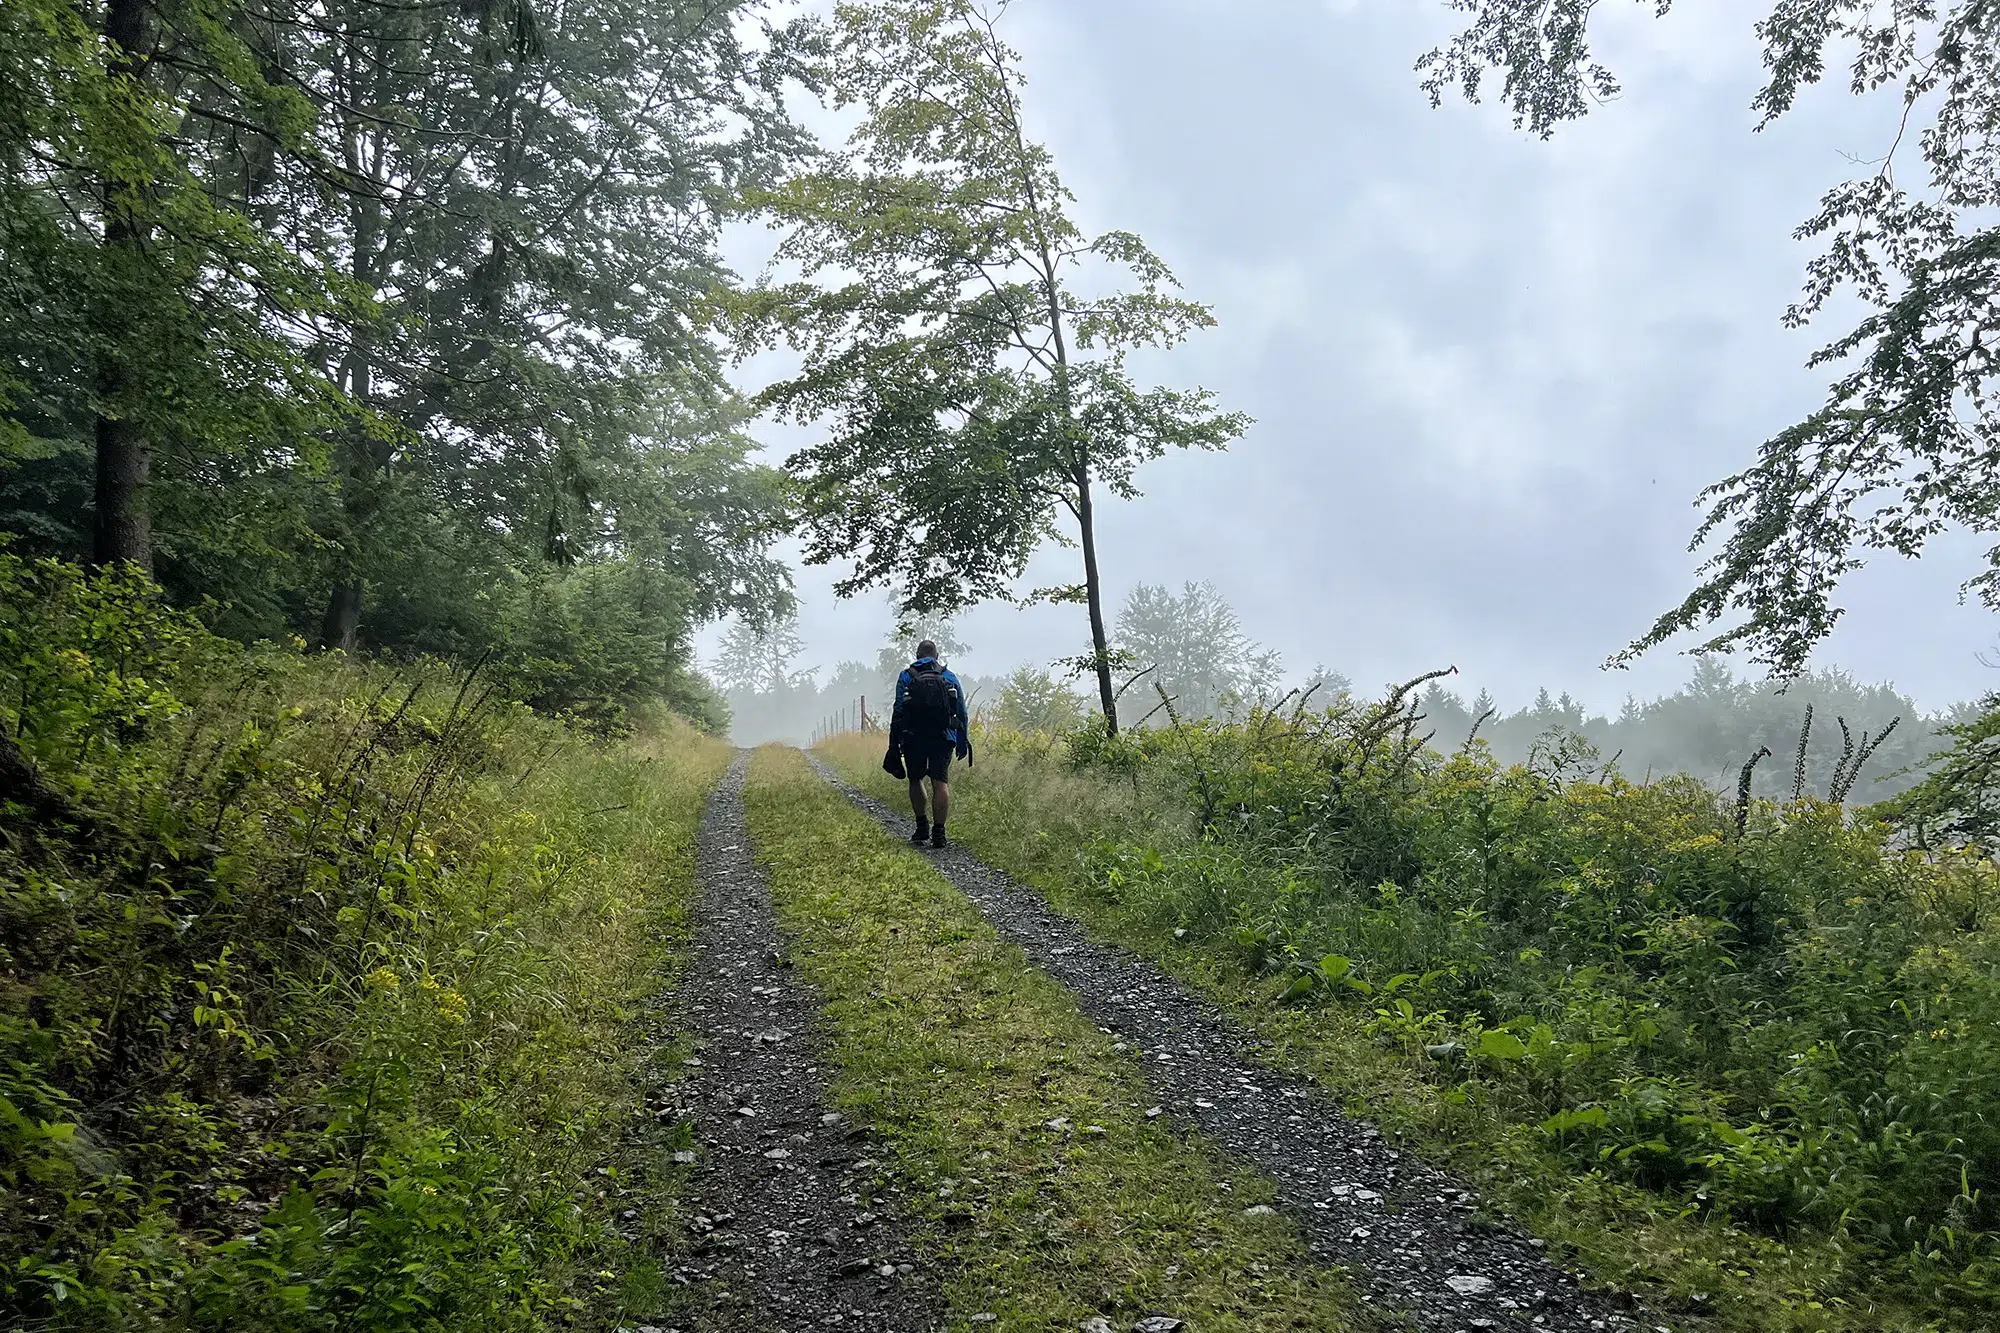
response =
{"points": [[1404, 1232], [790, 1229]]}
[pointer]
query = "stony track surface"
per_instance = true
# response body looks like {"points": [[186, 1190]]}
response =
{"points": [[790, 1228], [1405, 1233]]}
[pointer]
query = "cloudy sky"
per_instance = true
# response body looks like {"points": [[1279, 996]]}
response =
{"points": [[1489, 373]]}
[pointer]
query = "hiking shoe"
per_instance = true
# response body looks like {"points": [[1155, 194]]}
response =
{"points": [[937, 836], [922, 833]]}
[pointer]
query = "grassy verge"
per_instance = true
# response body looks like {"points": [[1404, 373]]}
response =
{"points": [[1058, 830], [633, 1205], [992, 1089], [317, 982]]}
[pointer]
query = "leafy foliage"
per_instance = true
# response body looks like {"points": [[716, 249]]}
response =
{"points": [[979, 388], [315, 979], [1784, 1030], [143, 313], [533, 235], [1195, 647], [1903, 447], [1958, 802], [1710, 725], [1032, 700], [395, 309]]}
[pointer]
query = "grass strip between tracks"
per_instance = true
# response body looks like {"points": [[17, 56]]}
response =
{"points": [[1040, 823], [990, 1090]]}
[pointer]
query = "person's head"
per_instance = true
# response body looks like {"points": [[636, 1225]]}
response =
{"points": [[926, 649]]}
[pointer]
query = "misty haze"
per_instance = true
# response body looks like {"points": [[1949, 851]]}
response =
{"points": [[918, 665]]}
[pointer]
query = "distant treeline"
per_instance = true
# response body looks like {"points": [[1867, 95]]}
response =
{"points": [[1191, 646], [1712, 725]]}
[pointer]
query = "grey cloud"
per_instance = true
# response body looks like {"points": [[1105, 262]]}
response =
{"points": [[1490, 374]]}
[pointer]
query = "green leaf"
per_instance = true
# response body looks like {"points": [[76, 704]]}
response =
{"points": [[1500, 1044], [1574, 1118]]}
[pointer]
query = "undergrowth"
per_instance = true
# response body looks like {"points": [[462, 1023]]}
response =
{"points": [[1019, 1131], [1747, 1056], [315, 979]]}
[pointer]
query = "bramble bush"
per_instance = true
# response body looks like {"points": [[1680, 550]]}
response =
{"points": [[313, 978], [1779, 1015]]}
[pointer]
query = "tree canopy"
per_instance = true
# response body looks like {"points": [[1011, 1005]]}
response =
{"points": [[381, 324], [1193, 644], [964, 337], [1907, 442]]}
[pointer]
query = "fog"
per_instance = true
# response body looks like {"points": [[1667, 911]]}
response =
{"points": [[1490, 374]]}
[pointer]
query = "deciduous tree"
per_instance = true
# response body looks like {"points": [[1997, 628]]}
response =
{"points": [[1907, 443], [963, 336], [1194, 644]]}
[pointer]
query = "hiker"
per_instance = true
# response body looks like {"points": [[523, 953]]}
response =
{"points": [[927, 727]]}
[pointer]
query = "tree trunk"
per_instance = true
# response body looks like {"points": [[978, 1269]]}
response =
{"points": [[342, 627], [124, 528], [1093, 594]]}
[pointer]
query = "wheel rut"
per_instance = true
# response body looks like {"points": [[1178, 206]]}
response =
{"points": [[789, 1226], [1410, 1238]]}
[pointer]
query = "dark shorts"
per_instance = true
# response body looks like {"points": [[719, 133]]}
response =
{"points": [[928, 759]]}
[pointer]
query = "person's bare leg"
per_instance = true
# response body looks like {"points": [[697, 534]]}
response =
{"points": [[940, 800], [917, 798]]}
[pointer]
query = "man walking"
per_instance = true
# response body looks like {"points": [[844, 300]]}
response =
{"points": [[929, 726]]}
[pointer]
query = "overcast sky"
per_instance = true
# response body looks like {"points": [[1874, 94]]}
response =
{"points": [[1489, 373]]}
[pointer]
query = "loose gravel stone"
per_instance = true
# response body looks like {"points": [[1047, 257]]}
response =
{"points": [[769, 1150], [1400, 1228]]}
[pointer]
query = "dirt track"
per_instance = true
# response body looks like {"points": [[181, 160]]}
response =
{"points": [[790, 1227], [1408, 1236]]}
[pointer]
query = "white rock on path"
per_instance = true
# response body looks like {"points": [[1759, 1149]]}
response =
{"points": [[1470, 1284]]}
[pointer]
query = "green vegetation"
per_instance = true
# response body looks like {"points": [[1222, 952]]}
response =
{"points": [[1710, 725], [1901, 450], [1191, 644], [392, 354], [989, 1087], [965, 334], [402, 329], [316, 980], [1744, 1055]]}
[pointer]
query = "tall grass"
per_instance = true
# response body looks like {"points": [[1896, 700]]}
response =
{"points": [[1770, 1023], [314, 978]]}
